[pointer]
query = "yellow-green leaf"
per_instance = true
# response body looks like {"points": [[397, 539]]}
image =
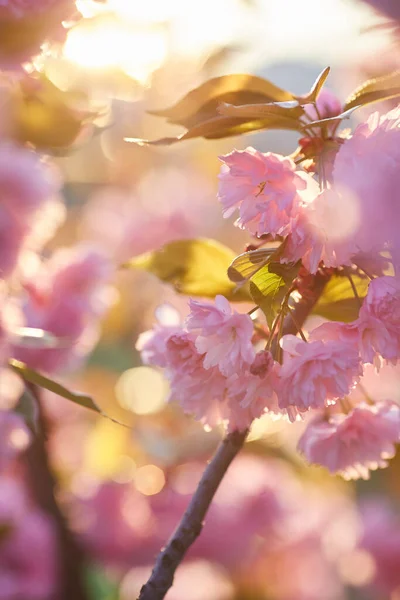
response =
{"points": [[247, 264], [196, 267], [338, 301], [269, 286], [201, 103], [374, 90]]}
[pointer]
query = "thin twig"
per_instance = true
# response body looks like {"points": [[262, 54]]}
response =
{"points": [[299, 329], [191, 524]]}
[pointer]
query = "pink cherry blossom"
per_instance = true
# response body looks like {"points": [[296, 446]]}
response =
{"points": [[14, 437], [353, 444], [320, 233], [253, 391], [222, 335], [65, 300], [201, 392], [316, 374], [266, 188], [379, 320]]}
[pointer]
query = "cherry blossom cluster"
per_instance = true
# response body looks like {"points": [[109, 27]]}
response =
{"points": [[337, 216]]}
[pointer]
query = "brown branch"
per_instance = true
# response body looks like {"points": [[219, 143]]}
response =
{"points": [[168, 560], [191, 524], [43, 485]]}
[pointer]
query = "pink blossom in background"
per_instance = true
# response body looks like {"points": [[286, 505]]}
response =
{"points": [[14, 437], [353, 444], [265, 187], [27, 186], [379, 320], [222, 335], [28, 547], [316, 374], [167, 204], [388, 8], [65, 300], [22, 8], [328, 105], [381, 539]]}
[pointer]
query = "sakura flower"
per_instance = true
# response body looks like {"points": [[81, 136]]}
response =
{"points": [[320, 233], [328, 105], [356, 443], [379, 320], [152, 344], [266, 188], [201, 392], [222, 335], [14, 437], [253, 391], [316, 374]]}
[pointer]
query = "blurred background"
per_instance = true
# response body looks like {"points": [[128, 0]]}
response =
{"points": [[278, 530]]}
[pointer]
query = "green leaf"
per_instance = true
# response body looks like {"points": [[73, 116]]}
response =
{"points": [[247, 264], [338, 302], [35, 378], [313, 94], [374, 90], [269, 286], [196, 267], [201, 104]]}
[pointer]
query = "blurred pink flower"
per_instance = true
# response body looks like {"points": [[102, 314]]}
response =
{"points": [[328, 105], [14, 437], [381, 539], [367, 175], [66, 301], [22, 8], [27, 185], [167, 204], [266, 188], [353, 444], [316, 374], [379, 320], [389, 8], [28, 547], [222, 335]]}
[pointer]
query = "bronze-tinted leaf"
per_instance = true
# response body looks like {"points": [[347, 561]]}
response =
{"points": [[247, 264], [374, 90], [195, 267], [338, 301], [201, 103], [290, 109], [313, 94], [269, 286], [222, 127]]}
